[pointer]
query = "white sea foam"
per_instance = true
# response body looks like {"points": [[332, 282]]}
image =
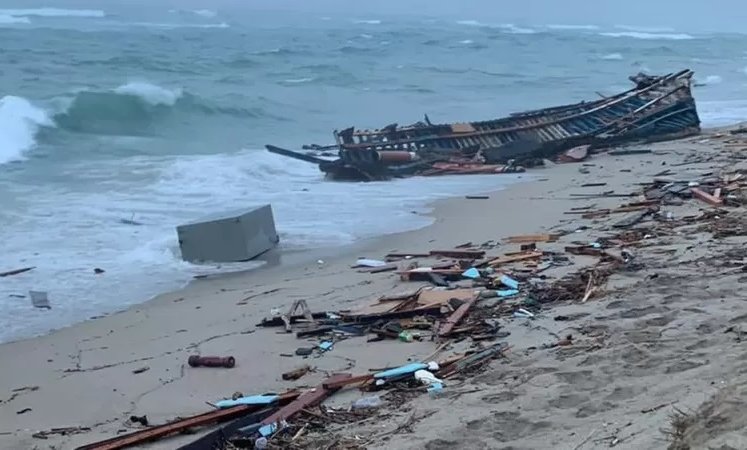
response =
{"points": [[467, 41], [612, 57], [471, 23], [205, 12], [721, 113], [151, 93], [53, 12], [6, 19], [19, 122], [368, 22], [645, 29], [298, 80], [513, 29], [712, 79], [573, 27], [649, 36], [170, 25]]}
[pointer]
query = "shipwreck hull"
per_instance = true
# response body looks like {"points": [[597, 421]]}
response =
{"points": [[656, 108]]}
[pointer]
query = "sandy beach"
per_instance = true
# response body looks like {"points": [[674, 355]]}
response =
{"points": [[656, 340]]}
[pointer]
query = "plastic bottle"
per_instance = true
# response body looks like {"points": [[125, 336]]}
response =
{"points": [[373, 401]]}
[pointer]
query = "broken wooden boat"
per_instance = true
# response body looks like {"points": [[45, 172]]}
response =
{"points": [[657, 108]]}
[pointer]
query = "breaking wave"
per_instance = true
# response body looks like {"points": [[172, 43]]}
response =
{"points": [[53, 12], [710, 80], [19, 123], [649, 36], [513, 29], [134, 109], [6, 19], [561, 27], [205, 12], [612, 57], [367, 22]]}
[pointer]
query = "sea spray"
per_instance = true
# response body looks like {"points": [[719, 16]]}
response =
{"points": [[19, 123]]}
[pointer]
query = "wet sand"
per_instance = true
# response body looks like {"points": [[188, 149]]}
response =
{"points": [[648, 341]]}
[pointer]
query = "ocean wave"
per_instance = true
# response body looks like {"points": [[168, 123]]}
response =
{"points": [[151, 93], [367, 22], [169, 25], [53, 12], [710, 80], [513, 29], [298, 80], [470, 23], [612, 57], [134, 109], [649, 36], [20, 121], [562, 27], [205, 12], [645, 29], [273, 51], [6, 19]]}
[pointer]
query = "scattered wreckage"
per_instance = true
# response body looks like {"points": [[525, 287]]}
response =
{"points": [[657, 108]]}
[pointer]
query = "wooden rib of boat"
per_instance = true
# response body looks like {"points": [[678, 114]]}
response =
{"points": [[656, 108]]}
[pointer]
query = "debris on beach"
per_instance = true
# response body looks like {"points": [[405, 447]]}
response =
{"points": [[40, 299], [658, 108], [16, 272], [227, 362]]}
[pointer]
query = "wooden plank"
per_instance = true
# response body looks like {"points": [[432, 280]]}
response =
{"points": [[459, 254], [528, 238], [447, 327], [306, 400], [706, 197], [337, 384], [16, 272], [179, 426], [501, 260]]}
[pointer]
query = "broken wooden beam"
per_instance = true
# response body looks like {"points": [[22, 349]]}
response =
{"points": [[140, 437], [474, 359], [706, 197], [459, 254], [447, 327], [306, 400], [16, 272], [501, 260], [337, 384], [529, 238]]}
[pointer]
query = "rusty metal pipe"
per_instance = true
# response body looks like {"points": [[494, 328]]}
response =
{"points": [[211, 361]]}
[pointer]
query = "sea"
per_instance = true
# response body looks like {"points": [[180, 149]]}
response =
{"points": [[117, 125]]}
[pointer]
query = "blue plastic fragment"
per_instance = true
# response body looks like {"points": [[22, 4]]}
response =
{"points": [[403, 370], [507, 292], [326, 346], [509, 282], [268, 430], [249, 400], [435, 389], [471, 273]]}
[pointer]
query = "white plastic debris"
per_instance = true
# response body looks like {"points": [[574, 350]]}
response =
{"points": [[365, 262], [426, 377]]}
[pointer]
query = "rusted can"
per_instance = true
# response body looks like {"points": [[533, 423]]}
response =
{"points": [[211, 361]]}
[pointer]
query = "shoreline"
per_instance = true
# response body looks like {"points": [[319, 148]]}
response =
{"points": [[287, 259], [91, 364]]}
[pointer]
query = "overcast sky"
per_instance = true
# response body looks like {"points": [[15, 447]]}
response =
{"points": [[693, 15]]}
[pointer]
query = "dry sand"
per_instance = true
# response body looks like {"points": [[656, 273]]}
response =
{"points": [[655, 341]]}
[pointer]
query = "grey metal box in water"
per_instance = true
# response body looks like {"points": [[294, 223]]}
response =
{"points": [[229, 236]]}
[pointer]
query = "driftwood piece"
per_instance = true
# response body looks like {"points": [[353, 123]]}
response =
{"points": [[16, 272]]}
